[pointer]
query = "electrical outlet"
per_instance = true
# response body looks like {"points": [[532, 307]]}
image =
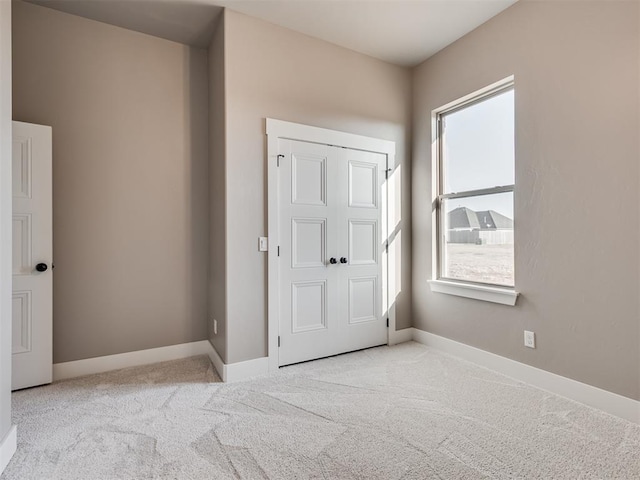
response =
{"points": [[215, 326], [529, 339], [263, 244]]}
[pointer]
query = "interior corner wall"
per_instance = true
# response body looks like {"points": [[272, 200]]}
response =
{"points": [[130, 169], [577, 102], [5, 218], [217, 192], [277, 73]]}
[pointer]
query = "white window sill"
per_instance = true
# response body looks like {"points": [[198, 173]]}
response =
{"points": [[505, 296]]}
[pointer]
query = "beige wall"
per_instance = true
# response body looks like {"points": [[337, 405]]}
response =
{"points": [[142, 211], [130, 117], [275, 72], [217, 192], [5, 218], [576, 67]]}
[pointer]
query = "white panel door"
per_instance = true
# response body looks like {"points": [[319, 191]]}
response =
{"points": [[361, 241], [32, 358], [330, 230], [308, 242]]}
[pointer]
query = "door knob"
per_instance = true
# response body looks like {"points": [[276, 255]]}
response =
{"points": [[333, 261], [343, 260], [42, 267]]}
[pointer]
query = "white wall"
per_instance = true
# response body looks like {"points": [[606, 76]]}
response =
{"points": [[577, 95], [5, 218]]}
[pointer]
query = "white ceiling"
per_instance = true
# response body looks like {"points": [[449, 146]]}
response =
{"points": [[404, 32]]}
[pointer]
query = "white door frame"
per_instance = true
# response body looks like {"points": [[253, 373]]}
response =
{"points": [[276, 129]]}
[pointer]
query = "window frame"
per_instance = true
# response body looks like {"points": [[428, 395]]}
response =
{"points": [[467, 288]]}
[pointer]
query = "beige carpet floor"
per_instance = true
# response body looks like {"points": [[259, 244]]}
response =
{"points": [[402, 412]]}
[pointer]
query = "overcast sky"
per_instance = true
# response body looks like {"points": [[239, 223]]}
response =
{"points": [[479, 153]]}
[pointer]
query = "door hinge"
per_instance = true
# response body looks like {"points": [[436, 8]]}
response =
{"points": [[278, 250], [387, 323], [279, 159], [386, 173], [278, 340]]}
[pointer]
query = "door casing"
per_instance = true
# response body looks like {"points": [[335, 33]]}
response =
{"points": [[277, 129]]}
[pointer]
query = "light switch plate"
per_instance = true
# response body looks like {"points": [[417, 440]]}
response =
{"points": [[263, 244]]}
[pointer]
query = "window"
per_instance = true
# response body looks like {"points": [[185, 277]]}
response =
{"points": [[475, 187]]}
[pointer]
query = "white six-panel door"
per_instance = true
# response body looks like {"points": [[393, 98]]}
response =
{"points": [[330, 262], [362, 319], [32, 251]]}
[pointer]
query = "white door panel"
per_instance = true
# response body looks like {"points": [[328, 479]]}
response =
{"points": [[363, 184], [365, 323], [363, 242], [308, 240], [363, 304], [329, 208], [32, 245], [309, 306], [21, 325], [308, 179], [22, 241], [308, 287]]}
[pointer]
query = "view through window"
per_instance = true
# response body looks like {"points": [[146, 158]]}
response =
{"points": [[476, 184]]}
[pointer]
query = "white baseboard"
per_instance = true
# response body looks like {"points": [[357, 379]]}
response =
{"points": [[89, 366], [218, 364], [609, 402], [235, 372], [8, 447], [232, 372], [400, 336]]}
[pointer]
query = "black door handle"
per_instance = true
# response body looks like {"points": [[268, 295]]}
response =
{"points": [[333, 261], [343, 260], [42, 267]]}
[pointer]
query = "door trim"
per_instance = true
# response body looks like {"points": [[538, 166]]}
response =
{"points": [[277, 129], [8, 446]]}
